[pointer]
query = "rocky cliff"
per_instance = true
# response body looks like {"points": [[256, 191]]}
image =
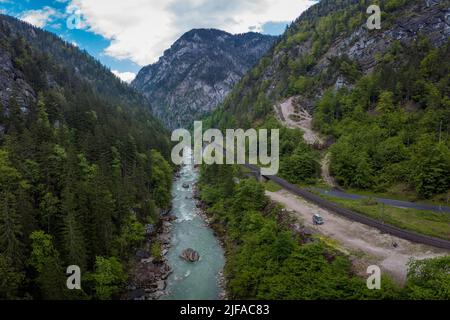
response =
{"points": [[329, 46], [33, 62], [198, 72], [370, 93], [60, 64]]}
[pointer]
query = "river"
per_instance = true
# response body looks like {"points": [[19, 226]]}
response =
{"points": [[199, 280]]}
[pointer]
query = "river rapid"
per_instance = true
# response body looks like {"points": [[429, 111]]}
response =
{"points": [[199, 280]]}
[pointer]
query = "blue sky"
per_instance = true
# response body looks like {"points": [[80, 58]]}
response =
{"points": [[126, 35]]}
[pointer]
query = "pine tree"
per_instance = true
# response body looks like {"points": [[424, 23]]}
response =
{"points": [[45, 260], [10, 279], [160, 180], [42, 133], [10, 230], [108, 277], [386, 102], [48, 208], [102, 213], [74, 242]]}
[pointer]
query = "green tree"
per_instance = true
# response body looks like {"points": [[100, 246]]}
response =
{"points": [[101, 217], [132, 234], [385, 102], [161, 180], [48, 209], [108, 277], [42, 129], [429, 279], [45, 260], [10, 227], [74, 243], [301, 167], [249, 196], [10, 279], [430, 167]]}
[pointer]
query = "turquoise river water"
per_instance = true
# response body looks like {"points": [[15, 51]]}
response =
{"points": [[199, 280]]}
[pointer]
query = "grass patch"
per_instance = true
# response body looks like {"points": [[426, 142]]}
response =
{"points": [[156, 250], [402, 193], [332, 243], [271, 186], [295, 117], [425, 222]]}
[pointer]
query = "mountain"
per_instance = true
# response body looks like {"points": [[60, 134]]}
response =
{"points": [[82, 167], [379, 97], [197, 73]]}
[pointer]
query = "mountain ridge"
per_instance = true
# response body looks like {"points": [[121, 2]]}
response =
{"points": [[78, 61], [83, 166], [196, 73], [355, 83]]}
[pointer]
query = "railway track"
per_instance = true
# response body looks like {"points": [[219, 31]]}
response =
{"points": [[349, 214]]}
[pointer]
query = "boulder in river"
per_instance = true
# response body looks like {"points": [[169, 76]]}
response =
{"points": [[186, 185], [190, 255]]}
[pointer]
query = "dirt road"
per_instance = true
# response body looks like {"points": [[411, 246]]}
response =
{"points": [[325, 171], [298, 117], [367, 245]]}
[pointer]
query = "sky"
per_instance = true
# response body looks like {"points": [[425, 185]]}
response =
{"points": [[126, 35]]}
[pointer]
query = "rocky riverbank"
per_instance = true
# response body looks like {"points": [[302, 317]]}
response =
{"points": [[149, 273], [201, 207], [150, 276]]}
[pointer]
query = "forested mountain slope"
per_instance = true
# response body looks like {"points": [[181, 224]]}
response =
{"points": [[381, 95], [82, 168], [197, 72]]}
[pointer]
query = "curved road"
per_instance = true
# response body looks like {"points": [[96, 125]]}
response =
{"points": [[285, 109], [309, 196], [404, 234]]}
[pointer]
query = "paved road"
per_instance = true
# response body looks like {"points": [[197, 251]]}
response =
{"points": [[349, 214], [390, 202], [358, 237]]}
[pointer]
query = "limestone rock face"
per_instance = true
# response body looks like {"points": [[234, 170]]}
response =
{"points": [[428, 18], [197, 73], [13, 83]]}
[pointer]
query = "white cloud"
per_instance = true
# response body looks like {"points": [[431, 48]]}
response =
{"points": [[141, 30], [125, 76], [40, 18]]}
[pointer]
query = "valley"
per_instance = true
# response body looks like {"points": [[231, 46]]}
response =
{"points": [[197, 72], [91, 174]]}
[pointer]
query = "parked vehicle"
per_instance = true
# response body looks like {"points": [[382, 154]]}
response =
{"points": [[317, 220]]}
